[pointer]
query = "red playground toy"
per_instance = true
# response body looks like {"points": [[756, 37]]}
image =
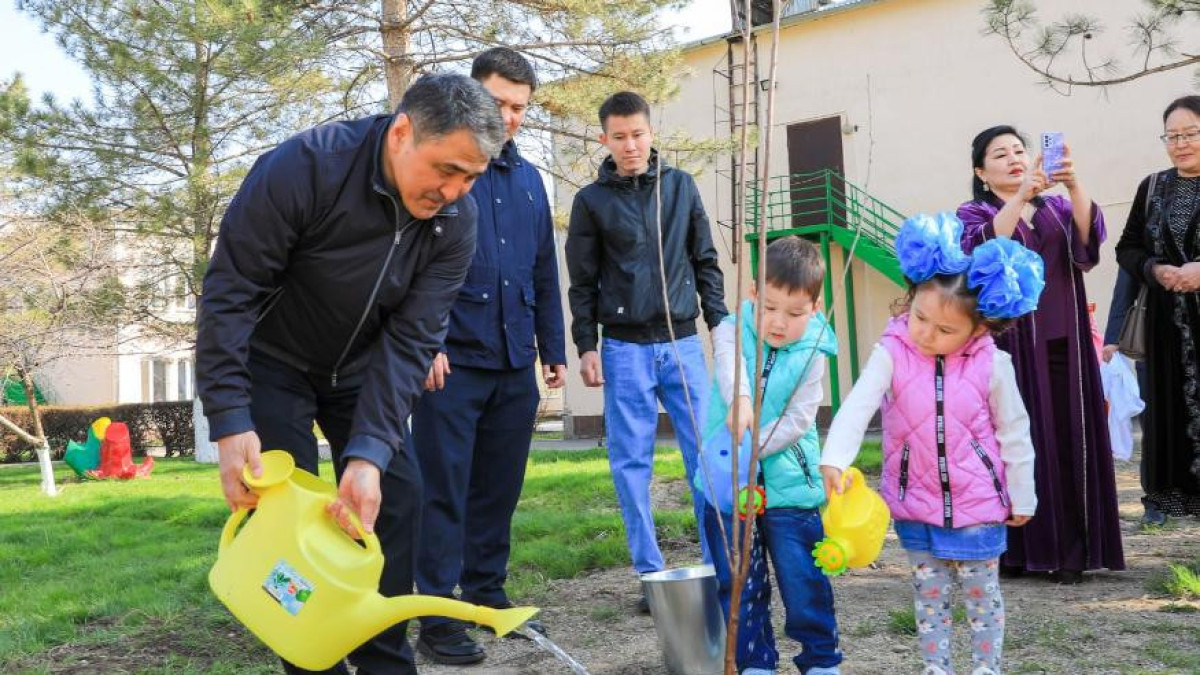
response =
{"points": [[116, 456]]}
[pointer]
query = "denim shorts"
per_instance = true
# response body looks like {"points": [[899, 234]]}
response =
{"points": [[977, 542]]}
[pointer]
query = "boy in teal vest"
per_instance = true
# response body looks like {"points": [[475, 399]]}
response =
{"points": [[797, 339]]}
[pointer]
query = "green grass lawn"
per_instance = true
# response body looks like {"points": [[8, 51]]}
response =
{"points": [[120, 568], [116, 572]]}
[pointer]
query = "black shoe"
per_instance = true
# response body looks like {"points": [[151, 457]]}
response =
{"points": [[643, 605], [532, 624], [1067, 577], [448, 643], [1153, 517], [1011, 572]]}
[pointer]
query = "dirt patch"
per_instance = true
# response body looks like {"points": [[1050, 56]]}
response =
{"points": [[1111, 623]]}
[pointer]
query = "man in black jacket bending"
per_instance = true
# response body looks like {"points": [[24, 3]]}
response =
{"points": [[326, 299], [613, 260]]}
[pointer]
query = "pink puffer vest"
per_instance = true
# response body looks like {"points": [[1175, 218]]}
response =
{"points": [[912, 484]]}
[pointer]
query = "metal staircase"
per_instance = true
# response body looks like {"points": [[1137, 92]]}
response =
{"points": [[824, 207], [824, 202]]}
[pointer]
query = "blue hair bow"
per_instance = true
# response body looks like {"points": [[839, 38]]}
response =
{"points": [[1008, 278], [929, 245]]}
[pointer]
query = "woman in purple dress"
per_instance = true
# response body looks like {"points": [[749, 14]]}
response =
{"points": [[1076, 527]]}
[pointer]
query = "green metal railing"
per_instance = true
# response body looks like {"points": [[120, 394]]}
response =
{"points": [[826, 207], [825, 202]]}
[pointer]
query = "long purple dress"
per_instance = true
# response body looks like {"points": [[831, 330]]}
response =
{"points": [[1076, 526]]}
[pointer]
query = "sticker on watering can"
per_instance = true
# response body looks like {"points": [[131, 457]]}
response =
{"points": [[288, 588]]}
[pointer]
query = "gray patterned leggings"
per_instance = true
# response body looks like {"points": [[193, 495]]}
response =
{"points": [[933, 594]]}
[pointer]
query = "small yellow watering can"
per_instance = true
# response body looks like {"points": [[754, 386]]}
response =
{"points": [[856, 522], [307, 590]]}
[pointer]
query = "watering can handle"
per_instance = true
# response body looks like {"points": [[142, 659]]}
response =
{"points": [[231, 527], [835, 503], [370, 541]]}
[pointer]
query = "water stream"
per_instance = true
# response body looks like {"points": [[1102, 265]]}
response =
{"points": [[545, 643]]}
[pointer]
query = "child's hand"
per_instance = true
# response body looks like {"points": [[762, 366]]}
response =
{"points": [[833, 479], [744, 408], [1017, 521]]}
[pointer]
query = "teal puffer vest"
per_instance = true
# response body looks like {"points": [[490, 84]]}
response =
{"points": [[788, 484]]}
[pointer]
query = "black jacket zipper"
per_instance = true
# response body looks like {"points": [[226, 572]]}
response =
{"points": [[387, 261]]}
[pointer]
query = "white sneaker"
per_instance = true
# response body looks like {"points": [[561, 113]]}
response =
{"points": [[984, 670], [757, 671], [933, 670], [831, 670]]}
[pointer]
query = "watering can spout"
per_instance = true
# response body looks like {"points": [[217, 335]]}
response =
{"points": [[393, 610]]}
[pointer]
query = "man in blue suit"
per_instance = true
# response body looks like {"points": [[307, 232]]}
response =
{"points": [[472, 428]]}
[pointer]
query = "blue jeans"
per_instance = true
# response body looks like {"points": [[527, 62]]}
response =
{"points": [[789, 535], [636, 378]]}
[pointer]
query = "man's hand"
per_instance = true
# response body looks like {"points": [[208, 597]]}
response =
{"points": [[438, 370], [358, 492], [1017, 521], [589, 368], [832, 477], [745, 418], [554, 376], [235, 452]]}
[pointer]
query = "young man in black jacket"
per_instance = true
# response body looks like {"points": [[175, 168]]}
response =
{"points": [[326, 299], [613, 257]]}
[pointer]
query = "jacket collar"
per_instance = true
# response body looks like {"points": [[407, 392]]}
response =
{"points": [[815, 338], [898, 329], [607, 174], [509, 156], [379, 180]]}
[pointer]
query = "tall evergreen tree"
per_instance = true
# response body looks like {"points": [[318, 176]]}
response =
{"points": [[185, 93]]}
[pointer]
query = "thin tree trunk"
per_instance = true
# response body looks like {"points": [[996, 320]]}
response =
{"points": [[39, 434], [397, 64], [206, 450]]}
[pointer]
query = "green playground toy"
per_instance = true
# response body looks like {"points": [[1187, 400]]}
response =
{"points": [[85, 457]]}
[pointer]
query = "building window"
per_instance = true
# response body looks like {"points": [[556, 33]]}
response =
{"points": [[159, 380], [185, 379]]}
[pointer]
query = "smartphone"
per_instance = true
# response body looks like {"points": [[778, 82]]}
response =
{"points": [[1052, 152]]}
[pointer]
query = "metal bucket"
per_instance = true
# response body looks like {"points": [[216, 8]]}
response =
{"points": [[688, 618]]}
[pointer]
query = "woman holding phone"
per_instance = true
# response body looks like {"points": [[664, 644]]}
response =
{"points": [[1076, 527]]}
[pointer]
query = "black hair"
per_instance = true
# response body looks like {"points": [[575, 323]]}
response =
{"points": [[623, 104], [443, 103], [505, 62], [953, 288], [1191, 102], [794, 264], [979, 148]]}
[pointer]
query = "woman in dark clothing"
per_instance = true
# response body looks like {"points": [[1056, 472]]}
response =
{"points": [[1162, 251], [1076, 527]]}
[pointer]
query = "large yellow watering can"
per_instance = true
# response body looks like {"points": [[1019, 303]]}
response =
{"points": [[305, 588], [856, 522]]}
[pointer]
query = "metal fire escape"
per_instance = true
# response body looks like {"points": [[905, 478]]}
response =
{"points": [[734, 111]]}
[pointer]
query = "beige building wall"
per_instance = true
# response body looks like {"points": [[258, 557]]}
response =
{"points": [[913, 81], [80, 380]]}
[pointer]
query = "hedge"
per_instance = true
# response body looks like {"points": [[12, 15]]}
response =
{"points": [[168, 424]]}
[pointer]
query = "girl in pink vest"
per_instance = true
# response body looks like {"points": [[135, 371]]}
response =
{"points": [[957, 455]]}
